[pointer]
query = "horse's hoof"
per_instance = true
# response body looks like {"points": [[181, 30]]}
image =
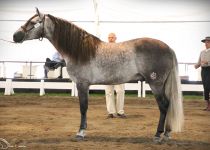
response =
{"points": [[80, 135], [80, 138], [157, 140], [166, 138]]}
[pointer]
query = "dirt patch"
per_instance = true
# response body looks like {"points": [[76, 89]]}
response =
{"points": [[51, 122]]}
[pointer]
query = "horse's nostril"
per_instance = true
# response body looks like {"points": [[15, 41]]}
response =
{"points": [[18, 36]]}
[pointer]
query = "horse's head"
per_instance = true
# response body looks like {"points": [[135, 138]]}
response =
{"points": [[32, 29]]}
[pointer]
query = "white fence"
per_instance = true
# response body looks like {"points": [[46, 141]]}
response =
{"points": [[30, 69], [141, 87]]}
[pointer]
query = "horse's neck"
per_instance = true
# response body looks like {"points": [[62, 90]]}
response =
{"points": [[79, 46], [49, 29]]}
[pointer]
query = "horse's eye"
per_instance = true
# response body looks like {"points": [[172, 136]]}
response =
{"points": [[32, 22]]}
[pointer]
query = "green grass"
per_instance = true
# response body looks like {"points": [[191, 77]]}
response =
{"points": [[193, 97], [185, 96]]}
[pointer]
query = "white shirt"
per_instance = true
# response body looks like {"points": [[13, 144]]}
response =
{"points": [[57, 57], [205, 56]]}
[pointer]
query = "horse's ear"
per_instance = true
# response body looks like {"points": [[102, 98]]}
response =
{"points": [[38, 13]]}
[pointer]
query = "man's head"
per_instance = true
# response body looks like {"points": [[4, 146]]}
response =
{"points": [[206, 41], [112, 37]]}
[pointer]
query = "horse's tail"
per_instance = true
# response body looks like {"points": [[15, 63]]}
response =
{"points": [[175, 114]]}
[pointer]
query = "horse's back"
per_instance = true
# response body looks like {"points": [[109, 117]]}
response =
{"points": [[135, 59], [152, 50], [148, 48], [153, 57], [122, 62]]}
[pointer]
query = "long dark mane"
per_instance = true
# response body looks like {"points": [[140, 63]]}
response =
{"points": [[73, 41]]}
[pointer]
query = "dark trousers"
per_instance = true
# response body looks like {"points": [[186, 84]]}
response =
{"points": [[205, 75], [52, 65]]}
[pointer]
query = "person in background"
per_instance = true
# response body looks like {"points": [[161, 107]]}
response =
{"points": [[56, 62], [115, 109], [204, 63]]}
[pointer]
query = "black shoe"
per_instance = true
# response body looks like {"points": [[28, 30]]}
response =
{"points": [[121, 115], [59, 77], [110, 116]]}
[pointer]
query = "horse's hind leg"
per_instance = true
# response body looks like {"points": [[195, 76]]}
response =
{"points": [[83, 100], [166, 135], [163, 104]]}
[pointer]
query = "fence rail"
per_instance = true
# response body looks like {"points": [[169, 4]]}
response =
{"points": [[10, 82], [141, 87], [9, 68]]}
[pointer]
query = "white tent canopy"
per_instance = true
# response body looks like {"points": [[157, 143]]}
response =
{"points": [[181, 23]]}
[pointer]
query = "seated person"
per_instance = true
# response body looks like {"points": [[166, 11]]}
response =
{"points": [[53, 64]]}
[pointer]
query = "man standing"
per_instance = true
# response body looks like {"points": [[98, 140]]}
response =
{"points": [[204, 62], [115, 109]]}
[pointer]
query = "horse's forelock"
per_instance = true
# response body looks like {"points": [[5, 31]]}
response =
{"points": [[73, 41]]}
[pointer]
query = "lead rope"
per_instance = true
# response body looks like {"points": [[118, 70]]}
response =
{"points": [[7, 41]]}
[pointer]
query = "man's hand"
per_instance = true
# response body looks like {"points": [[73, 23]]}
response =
{"points": [[197, 66], [204, 62]]}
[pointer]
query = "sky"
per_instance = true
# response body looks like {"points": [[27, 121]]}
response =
{"points": [[181, 23]]}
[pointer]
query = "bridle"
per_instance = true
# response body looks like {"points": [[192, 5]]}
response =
{"points": [[35, 26]]}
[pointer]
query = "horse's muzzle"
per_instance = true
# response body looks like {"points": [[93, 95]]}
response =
{"points": [[18, 36]]}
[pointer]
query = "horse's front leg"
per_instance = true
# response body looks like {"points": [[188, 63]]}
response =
{"points": [[83, 90]]}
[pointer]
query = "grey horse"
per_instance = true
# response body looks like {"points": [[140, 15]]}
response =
{"points": [[92, 61]]}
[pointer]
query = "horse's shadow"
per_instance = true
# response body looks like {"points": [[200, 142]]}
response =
{"points": [[143, 140], [107, 139], [119, 139], [99, 139]]}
